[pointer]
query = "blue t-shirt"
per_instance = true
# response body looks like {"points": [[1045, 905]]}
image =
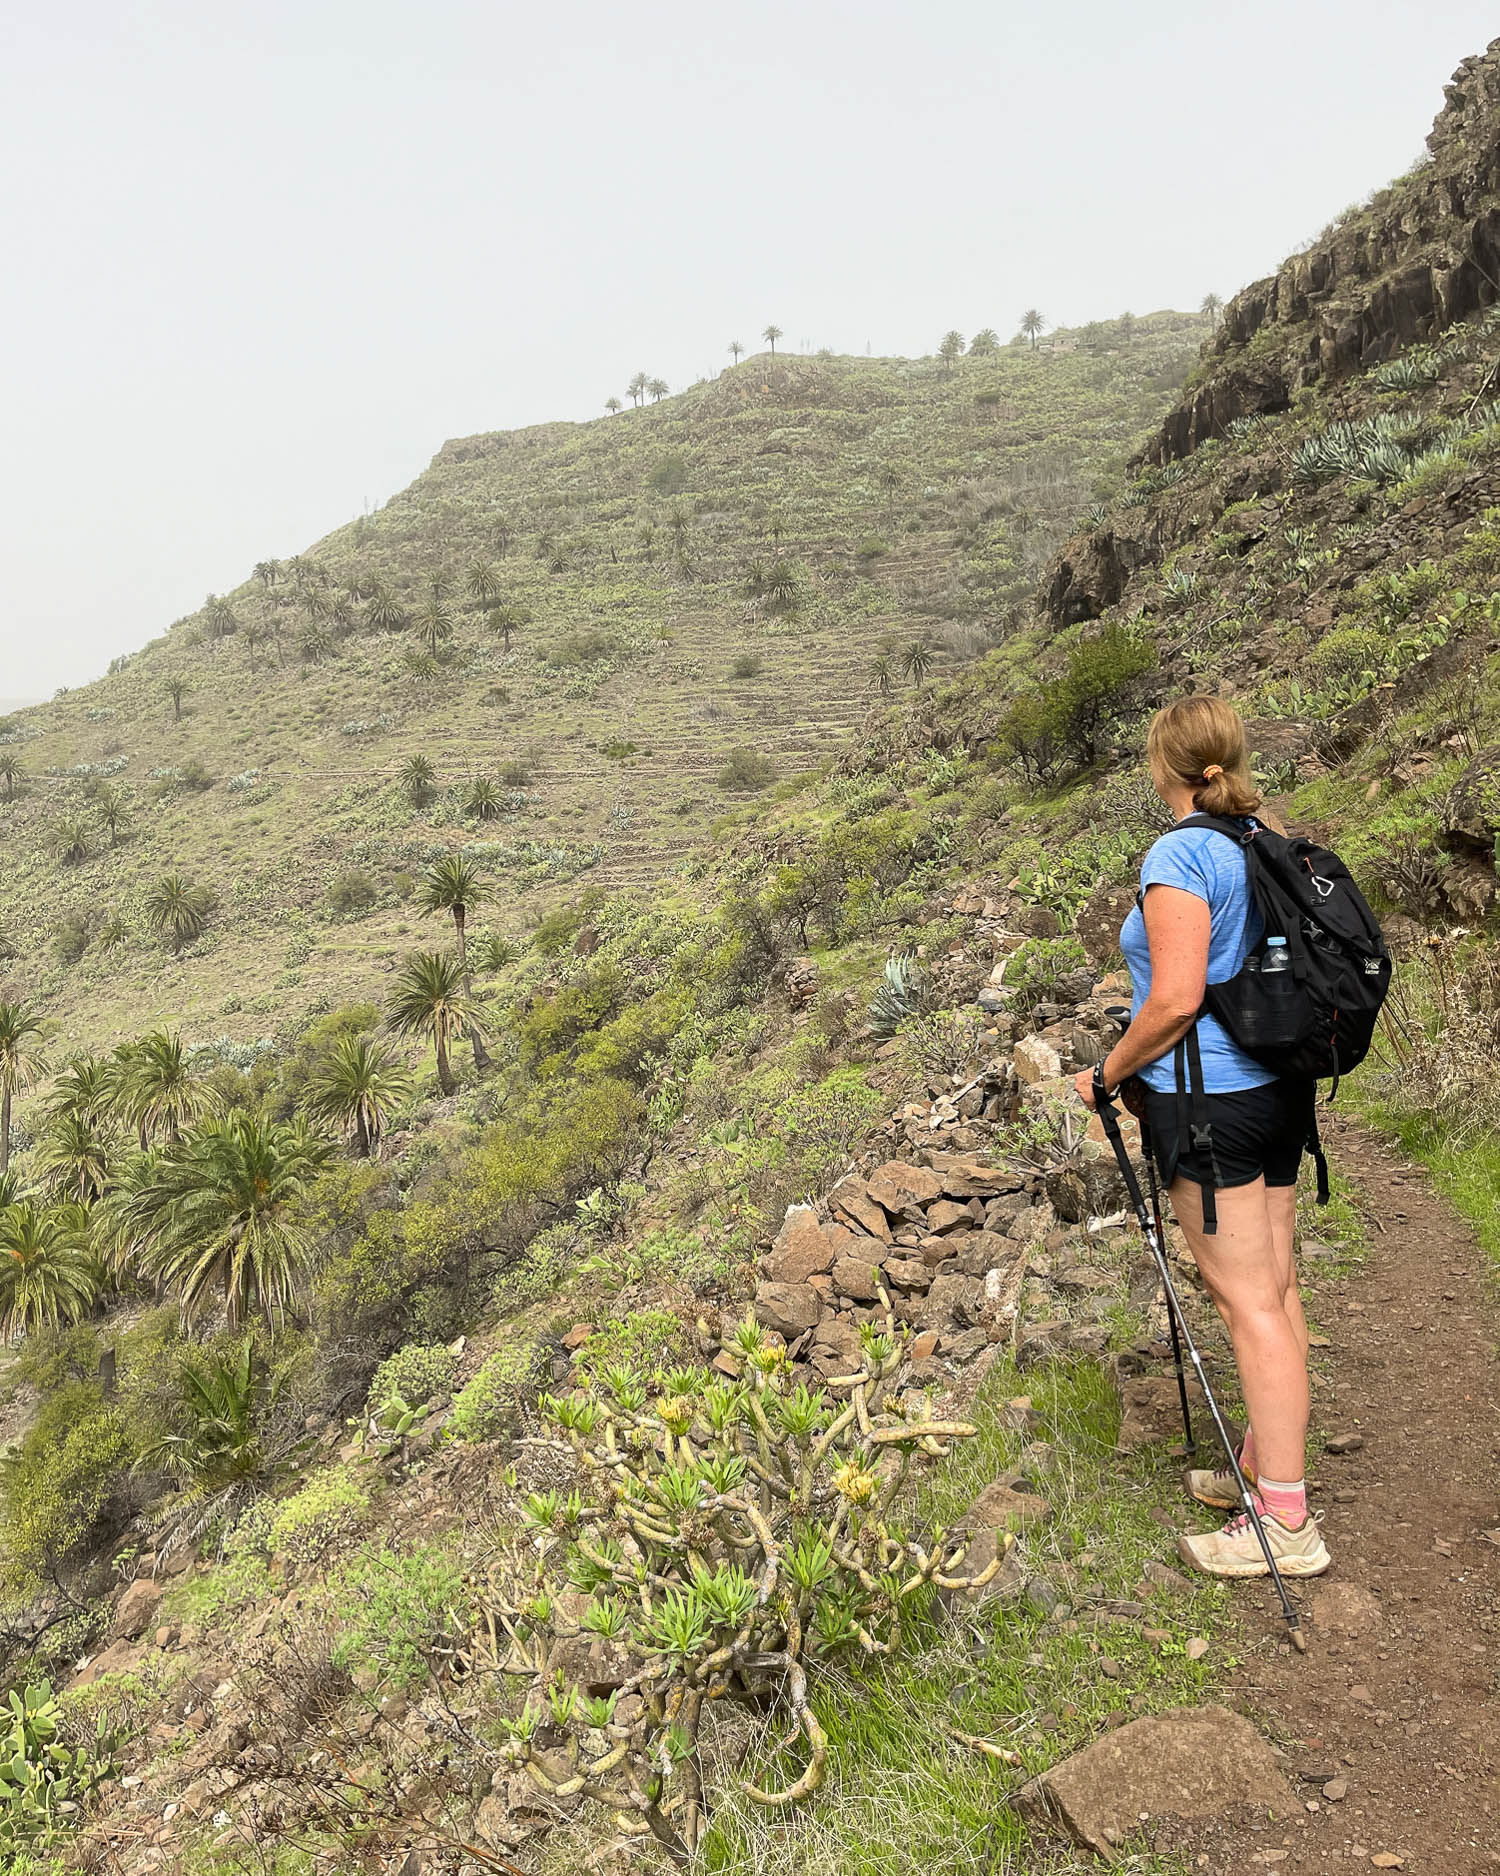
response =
{"points": [[1212, 868]]}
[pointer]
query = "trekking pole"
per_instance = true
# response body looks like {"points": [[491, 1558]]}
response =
{"points": [[1104, 1104], [1161, 1239]]}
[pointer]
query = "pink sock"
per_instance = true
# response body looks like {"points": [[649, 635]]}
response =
{"points": [[1287, 1504]]}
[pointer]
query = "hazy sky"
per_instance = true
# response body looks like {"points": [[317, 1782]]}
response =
{"points": [[260, 261]]}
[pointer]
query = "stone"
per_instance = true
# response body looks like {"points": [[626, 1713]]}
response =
{"points": [[1090, 1186], [791, 1309], [908, 1273], [1343, 1443], [948, 1215], [1336, 1789], [134, 1610], [1036, 1061], [855, 1278], [925, 1345], [999, 1212], [965, 1345], [915, 1185], [851, 1197], [976, 1253], [1190, 1763], [596, 1665], [120, 1657], [1009, 1581], [952, 1302], [578, 1335], [1001, 1507], [1163, 1576], [965, 1177], [802, 1248], [835, 1346], [1196, 1647], [1151, 1409]]}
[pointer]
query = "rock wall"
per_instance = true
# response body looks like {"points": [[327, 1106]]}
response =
{"points": [[1423, 256]]}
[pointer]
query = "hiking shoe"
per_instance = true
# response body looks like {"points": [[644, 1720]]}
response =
{"points": [[1235, 1550], [1216, 1489]]}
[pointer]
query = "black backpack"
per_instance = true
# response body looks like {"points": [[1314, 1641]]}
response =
{"points": [[1314, 1020]]}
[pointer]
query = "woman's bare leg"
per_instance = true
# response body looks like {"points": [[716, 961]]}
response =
{"points": [[1248, 1276]]}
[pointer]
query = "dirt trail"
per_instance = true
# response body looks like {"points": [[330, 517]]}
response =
{"points": [[1398, 1698]]}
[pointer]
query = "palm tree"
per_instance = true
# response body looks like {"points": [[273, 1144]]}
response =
{"points": [[494, 952], [881, 674], [213, 1445], [383, 610], [111, 805], [256, 634], [159, 1093], [771, 335], [21, 1062], [72, 838], [613, 404], [646, 535], [916, 660], [176, 688], [87, 1088], [74, 1157], [434, 623], [735, 348], [678, 520], [453, 884], [219, 615], [10, 774], [268, 572], [636, 388], [48, 1275], [1213, 306], [178, 909], [217, 1211], [658, 387], [984, 343], [951, 349], [508, 618], [484, 800], [1033, 325], [430, 1001], [359, 1087], [482, 582], [417, 779]]}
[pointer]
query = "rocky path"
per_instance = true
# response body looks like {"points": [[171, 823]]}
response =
{"points": [[1391, 1722]]}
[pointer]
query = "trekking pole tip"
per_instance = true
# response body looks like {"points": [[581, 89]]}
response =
{"points": [[1299, 1640]]}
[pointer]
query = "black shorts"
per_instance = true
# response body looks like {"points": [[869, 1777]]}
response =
{"points": [[1258, 1133]]}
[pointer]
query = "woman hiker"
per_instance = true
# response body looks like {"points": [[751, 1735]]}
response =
{"points": [[1194, 923]]}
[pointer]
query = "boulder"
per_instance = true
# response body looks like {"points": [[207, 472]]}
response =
{"points": [[1090, 1185], [120, 1657], [952, 1302], [1151, 1410], [851, 1197], [1001, 1507], [949, 1215], [791, 1309], [1192, 1763], [1097, 926], [855, 1278], [802, 1249], [974, 1253], [1471, 814], [907, 1273], [896, 1185], [135, 1609], [964, 1176], [835, 1346], [1036, 1061]]}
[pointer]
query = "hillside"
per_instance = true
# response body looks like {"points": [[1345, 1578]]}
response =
{"points": [[735, 1431], [712, 573]]}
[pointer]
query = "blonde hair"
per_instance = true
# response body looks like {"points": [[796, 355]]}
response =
{"points": [[1199, 743]]}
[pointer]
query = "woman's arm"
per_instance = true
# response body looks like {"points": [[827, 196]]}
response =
{"points": [[1177, 929]]}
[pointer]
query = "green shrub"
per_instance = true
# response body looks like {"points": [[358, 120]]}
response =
{"points": [[746, 769], [416, 1372], [352, 892], [872, 548], [486, 1406], [398, 1610], [747, 664], [1036, 972], [327, 1508], [65, 1488], [70, 937], [642, 1338]]}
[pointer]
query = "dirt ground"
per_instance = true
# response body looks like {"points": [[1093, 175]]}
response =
{"points": [[1391, 1721]]}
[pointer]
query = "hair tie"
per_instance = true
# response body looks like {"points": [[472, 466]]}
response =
{"points": [[1211, 771]]}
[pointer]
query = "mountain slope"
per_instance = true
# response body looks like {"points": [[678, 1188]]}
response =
{"points": [[909, 500]]}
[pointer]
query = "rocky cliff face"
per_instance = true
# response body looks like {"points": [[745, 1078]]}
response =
{"points": [[1424, 254]]}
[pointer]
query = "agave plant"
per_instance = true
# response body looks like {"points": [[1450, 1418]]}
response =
{"points": [[1412, 371], [905, 991]]}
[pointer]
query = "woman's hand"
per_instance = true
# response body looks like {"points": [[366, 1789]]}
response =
{"points": [[1083, 1083]]}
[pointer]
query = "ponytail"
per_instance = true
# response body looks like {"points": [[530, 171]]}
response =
{"points": [[1199, 743]]}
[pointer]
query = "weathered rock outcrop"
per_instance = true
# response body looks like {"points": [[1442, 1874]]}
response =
{"points": [[1425, 254]]}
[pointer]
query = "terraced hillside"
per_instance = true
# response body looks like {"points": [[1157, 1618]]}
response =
{"points": [[594, 618]]}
